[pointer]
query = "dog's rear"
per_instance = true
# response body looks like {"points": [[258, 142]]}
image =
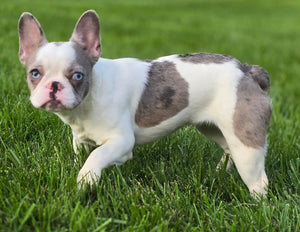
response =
{"points": [[258, 74]]}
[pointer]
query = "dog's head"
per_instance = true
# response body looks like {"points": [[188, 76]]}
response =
{"points": [[59, 73]]}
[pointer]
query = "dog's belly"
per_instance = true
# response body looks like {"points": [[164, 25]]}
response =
{"points": [[148, 134]]}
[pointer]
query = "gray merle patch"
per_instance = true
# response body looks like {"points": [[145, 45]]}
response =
{"points": [[165, 95], [205, 58]]}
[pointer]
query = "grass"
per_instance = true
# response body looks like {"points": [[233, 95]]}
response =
{"points": [[170, 185]]}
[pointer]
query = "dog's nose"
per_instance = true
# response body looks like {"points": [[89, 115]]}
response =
{"points": [[55, 86]]}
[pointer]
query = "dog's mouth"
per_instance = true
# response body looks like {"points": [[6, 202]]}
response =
{"points": [[53, 105]]}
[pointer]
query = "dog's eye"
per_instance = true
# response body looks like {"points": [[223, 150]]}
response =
{"points": [[77, 76], [35, 74]]}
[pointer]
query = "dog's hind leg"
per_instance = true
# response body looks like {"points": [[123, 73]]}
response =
{"points": [[226, 161], [246, 134], [250, 163], [213, 133]]}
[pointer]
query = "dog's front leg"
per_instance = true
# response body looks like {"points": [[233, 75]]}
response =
{"points": [[78, 145], [116, 150]]}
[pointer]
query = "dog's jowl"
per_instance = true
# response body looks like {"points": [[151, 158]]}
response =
{"points": [[115, 104]]}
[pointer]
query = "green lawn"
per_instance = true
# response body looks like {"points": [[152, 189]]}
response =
{"points": [[172, 184]]}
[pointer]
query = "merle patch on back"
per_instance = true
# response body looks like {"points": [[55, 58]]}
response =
{"points": [[205, 58], [165, 95]]}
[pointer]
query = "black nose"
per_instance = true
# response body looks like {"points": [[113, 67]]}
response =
{"points": [[54, 86]]}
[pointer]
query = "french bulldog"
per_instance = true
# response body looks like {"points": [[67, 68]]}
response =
{"points": [[117, 103]]}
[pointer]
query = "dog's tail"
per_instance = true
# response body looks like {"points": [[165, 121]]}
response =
{"points": [[258, 74]]}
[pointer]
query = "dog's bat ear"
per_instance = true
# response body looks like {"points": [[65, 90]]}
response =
{"points": [[86, 34], [31, 36]]}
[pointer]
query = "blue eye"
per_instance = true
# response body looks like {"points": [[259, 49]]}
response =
{"points": [[77, 76], [35, 74]]}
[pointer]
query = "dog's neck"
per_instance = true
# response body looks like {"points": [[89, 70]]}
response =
{"points": [[97, 99], [75, 116]]}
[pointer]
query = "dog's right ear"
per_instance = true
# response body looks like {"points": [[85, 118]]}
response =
{"points": [[31, 36]]}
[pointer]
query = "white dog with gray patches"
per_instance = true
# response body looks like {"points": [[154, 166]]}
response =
{"points": [[115, 104]]}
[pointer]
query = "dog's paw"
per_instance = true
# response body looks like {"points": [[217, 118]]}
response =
{"points": [[87, 177], [260, 189]]}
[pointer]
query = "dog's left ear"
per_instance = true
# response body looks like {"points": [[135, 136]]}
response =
{"points": [[86, 34]]}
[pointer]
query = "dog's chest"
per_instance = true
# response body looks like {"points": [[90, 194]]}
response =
{"points": [[93, 132], [85, 129]]}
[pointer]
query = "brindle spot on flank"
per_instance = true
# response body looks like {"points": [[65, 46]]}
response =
{"points": [[252, 113], [205, 58], [165, 95]]}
